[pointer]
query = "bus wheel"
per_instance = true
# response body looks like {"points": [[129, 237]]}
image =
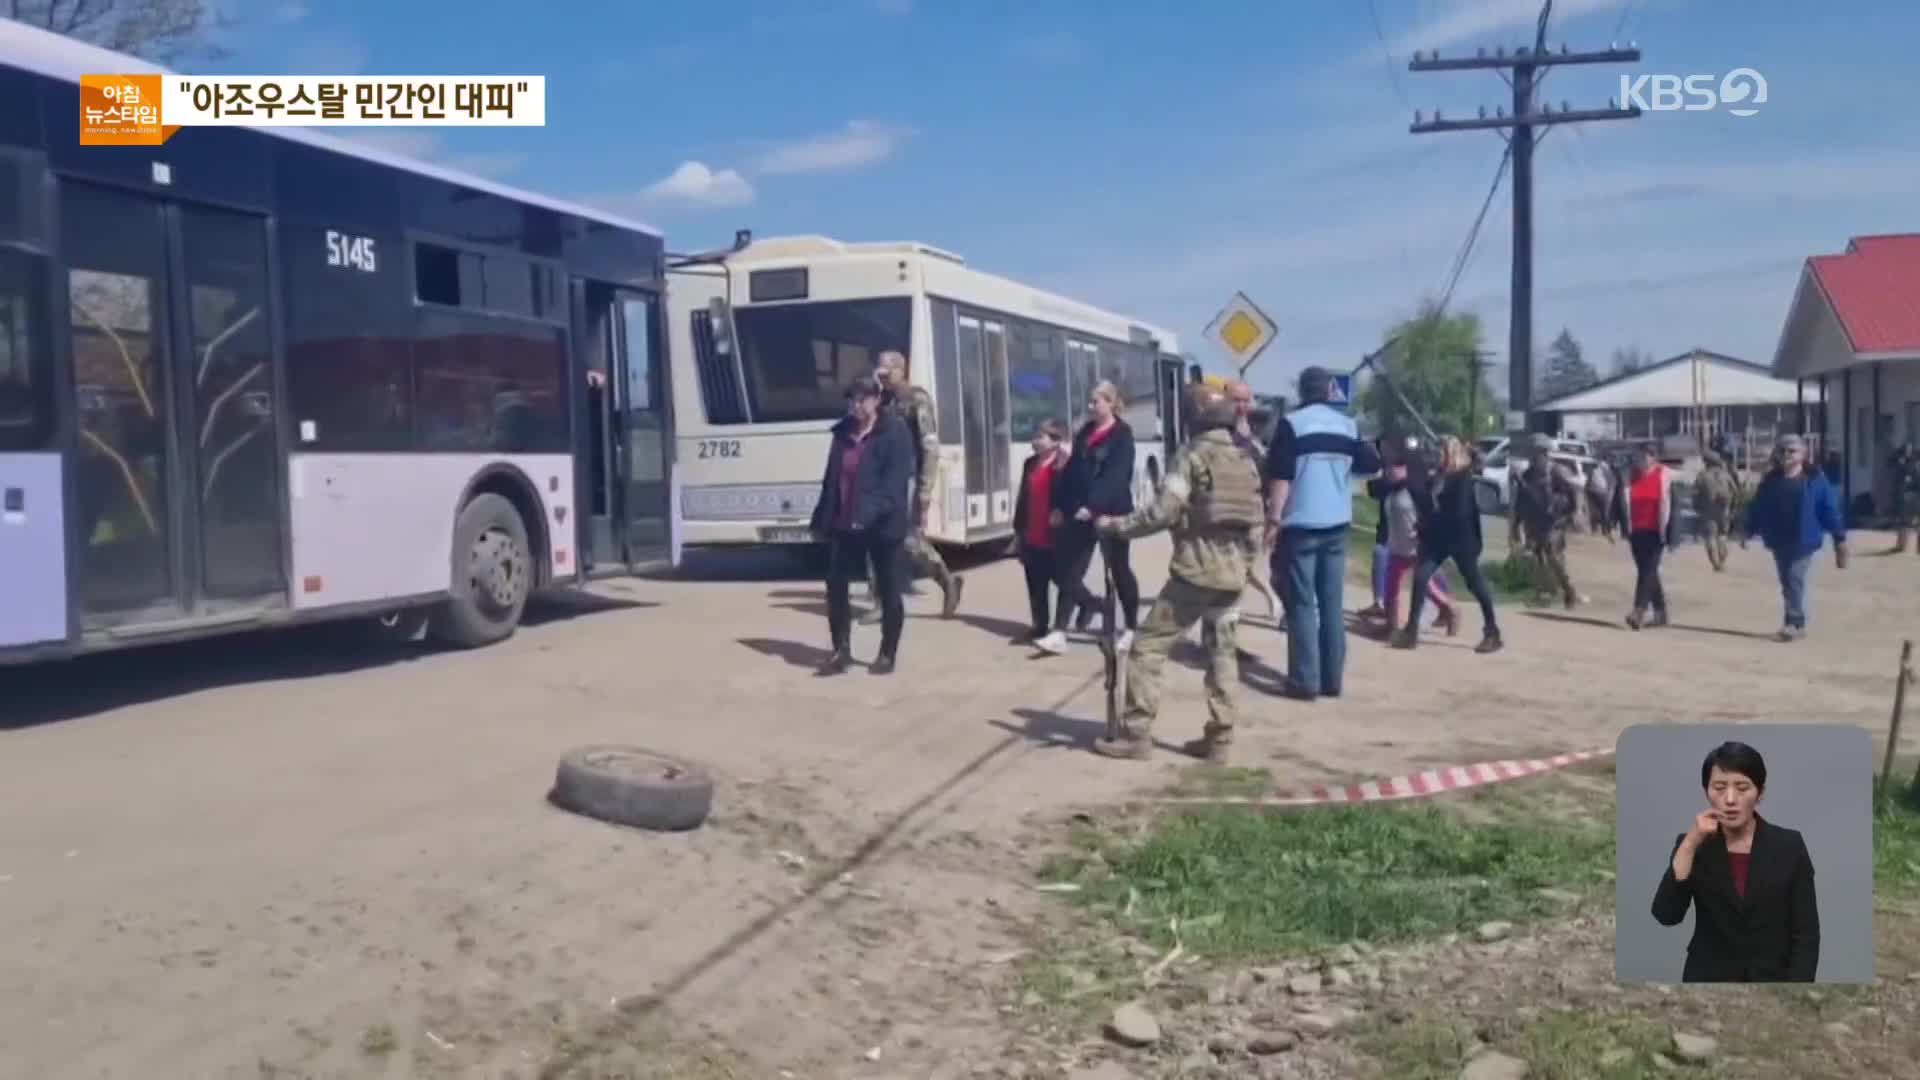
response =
{"points": [[493, 573]]}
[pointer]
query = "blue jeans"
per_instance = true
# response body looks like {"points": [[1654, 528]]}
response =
{"points": [[1793, 585], [1315, 561], [1380, 558]]}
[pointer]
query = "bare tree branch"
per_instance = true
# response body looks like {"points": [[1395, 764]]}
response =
{"points": [[160, 30]]}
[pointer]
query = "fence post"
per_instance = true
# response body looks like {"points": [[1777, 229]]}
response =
{"points": [[1900, 681]]}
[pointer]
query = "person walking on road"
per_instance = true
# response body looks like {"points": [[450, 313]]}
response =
{"points": [[1249, 444], [1545, 502], [1906, 495], [1450, 531], [1793, 510], [1714, 492], [1316, 453], [864, 515], [913, 407], [1034, 523], [1401, 510], [1646, 516], [1097, 482], [1211, 504], [1600, 491]]}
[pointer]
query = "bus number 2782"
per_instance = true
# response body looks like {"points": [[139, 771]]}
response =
{"points": [[354, 252], [719, 448]]}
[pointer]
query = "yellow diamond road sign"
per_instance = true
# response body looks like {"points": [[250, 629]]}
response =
{"points": [[1243, 329]]}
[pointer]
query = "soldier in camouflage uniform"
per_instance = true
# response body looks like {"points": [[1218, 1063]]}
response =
{"points": [[1906, 495], [1544, 504], [913, 406], [1211, 503], [1714, 492]]}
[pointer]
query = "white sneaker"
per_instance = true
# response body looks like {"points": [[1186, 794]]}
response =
{"points": [[1055, 643], [1124, 641]]}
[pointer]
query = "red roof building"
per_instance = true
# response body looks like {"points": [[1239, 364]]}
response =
{"points": [[1852, 338]]}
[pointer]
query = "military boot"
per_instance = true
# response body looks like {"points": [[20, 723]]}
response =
{"points": [[1134, 744], [1214, 747]]}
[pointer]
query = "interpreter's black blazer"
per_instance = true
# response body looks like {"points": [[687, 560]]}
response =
{"points": [[1772, 934]]}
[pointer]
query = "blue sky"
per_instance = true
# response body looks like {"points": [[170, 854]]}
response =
{"points": [[1154, 158]]}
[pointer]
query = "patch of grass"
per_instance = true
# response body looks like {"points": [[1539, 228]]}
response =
{"points": [[1209, 781], [379, 1040], [1556, 1046], [1249, 883], [1896, 836]]}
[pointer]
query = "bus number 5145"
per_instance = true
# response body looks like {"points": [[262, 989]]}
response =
{"points": [[355, 252]]}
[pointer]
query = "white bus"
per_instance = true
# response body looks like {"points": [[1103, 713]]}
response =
{"points": [[260, 376], [764, 340]]}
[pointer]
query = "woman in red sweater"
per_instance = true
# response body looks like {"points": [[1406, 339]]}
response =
{"points": [[1646, 516], [1034, 522]]}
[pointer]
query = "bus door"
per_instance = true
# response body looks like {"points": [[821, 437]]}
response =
{"points": [[631, 455], [1172, 384], [178, 510], [986, 415]]}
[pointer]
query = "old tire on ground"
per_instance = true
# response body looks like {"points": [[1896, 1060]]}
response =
{"points": [[492, 575], [629, 786]]}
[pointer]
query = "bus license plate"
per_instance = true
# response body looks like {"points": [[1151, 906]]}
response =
{"points": [[791, 535]]}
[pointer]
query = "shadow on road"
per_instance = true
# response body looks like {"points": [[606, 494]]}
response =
{"points": [[801, 656], [1049, 727], [70, 689], [1575, 620]]}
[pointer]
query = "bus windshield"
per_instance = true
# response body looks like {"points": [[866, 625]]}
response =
{"points": [[799, 358]]}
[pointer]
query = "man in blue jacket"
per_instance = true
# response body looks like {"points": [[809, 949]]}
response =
{"points": [[1316, 453], [1793, 511]]}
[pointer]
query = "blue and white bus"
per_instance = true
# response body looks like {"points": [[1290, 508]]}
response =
{"points": [[259, 376]]}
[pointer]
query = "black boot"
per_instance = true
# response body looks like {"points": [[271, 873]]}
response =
{"points": [[1489, 643], [882, 665], [837, 663]]}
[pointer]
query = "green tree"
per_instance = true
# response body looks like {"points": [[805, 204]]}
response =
{"points": [[1630, 358], [1434, 363], [1567, 370]]}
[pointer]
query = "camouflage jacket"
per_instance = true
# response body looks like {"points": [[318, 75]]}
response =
{"points": [[1714, 490], [914, 408], [1545, 505], [1220, 557]]}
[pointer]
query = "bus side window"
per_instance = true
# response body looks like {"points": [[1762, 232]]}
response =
{"points": [[26, 353]]}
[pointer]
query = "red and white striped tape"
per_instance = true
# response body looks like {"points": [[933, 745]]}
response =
{"points": [[1411, 786]]}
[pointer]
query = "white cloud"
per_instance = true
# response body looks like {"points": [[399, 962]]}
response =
{"points": [[860, 144], [695, 185], [1058, 47], [430, 146]]}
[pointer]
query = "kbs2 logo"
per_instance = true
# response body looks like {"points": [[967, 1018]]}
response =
{"points": [[1740, 91]]}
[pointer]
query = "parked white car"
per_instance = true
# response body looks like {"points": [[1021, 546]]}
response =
{"points": [[1493, 488]]}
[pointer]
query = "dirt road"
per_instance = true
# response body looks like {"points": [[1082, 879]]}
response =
{"points": [[296, 856]]}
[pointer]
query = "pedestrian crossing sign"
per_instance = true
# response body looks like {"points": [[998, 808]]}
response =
{"points": [[1243, 330], [1340, 394]]}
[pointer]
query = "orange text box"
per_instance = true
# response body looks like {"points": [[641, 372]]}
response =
{"points": [[122, 110]]}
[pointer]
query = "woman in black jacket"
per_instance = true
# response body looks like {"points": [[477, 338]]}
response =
{"points": [[1756, 917], [1098, 482], [863, 515], [1450, 530]]}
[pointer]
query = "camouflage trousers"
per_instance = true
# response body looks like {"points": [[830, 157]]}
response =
{"points": [[1178, 607], [1906, 519], [1549, 555], [923, 559], [1715, 525]]}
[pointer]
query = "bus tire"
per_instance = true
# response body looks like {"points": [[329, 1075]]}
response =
{"points": [[492, 575], [625, 785]]}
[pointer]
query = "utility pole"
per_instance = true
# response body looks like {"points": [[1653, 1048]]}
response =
{"points": [[1478, 361], [1528, 66]]}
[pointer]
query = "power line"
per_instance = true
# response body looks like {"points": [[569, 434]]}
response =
{"points": [[1466, 250]]}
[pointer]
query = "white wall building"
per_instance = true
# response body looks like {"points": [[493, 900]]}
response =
{"points": [[1698, 393]]}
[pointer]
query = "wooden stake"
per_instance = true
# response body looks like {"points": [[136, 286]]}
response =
{"points": [[1899, 706]]}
